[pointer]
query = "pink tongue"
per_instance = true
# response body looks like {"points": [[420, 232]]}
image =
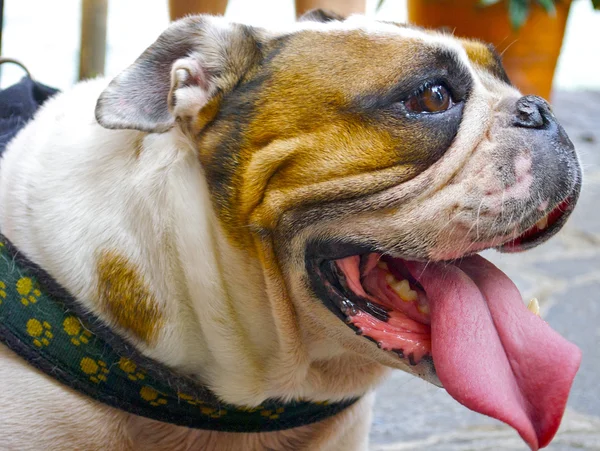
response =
{"points": [[492, 354]]}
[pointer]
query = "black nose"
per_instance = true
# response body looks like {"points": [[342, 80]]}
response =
{"points": [[532, 112]]}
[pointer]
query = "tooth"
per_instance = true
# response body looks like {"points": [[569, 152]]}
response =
{"points": [[382, 265], [403, 290], [401, 287], [542, 223], [534, 306], [390, 279], [424, 309]]}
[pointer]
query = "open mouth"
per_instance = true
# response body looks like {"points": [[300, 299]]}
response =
{"points": [[381, 300], [464, 319]]}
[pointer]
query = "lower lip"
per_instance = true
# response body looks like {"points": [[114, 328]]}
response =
{"points": [[551, 217]]}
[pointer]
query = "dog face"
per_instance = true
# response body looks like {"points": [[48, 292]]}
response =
{"points": [[350, 158]]}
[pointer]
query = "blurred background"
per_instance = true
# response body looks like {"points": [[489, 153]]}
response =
{"points": [[45, 35], [564, 274]]}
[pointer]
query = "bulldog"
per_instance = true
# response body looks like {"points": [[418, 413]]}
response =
{"points": [[288, 215]]}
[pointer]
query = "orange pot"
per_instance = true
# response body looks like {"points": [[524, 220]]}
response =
{"points": [[529, 54]]}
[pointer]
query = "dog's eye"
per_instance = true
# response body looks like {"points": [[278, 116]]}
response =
{"points": [[430, 99]]}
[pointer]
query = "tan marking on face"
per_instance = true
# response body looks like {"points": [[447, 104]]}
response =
{"points": [[483, 56], [125, 298], [206, 114], [478, 53], [304, 143]]}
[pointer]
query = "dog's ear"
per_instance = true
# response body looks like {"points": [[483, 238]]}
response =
{"points": [[320, 15], [190, 63]]}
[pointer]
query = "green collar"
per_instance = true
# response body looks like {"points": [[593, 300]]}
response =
{"points": [[42, 323]]}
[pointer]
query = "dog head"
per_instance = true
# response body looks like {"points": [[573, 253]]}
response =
{"points": [[356, 161]]}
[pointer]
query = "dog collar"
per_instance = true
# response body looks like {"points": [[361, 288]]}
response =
{"points": [[42, 323]]}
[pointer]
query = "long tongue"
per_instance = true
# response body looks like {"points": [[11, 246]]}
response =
{"points": [[492, 354]]}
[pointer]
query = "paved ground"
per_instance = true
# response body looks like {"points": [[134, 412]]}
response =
{"points": [[564, 274]]}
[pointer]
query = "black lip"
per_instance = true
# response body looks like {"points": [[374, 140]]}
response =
{"points": [[326, 290], [325, 279], [329, 284], [334, 250], [338, 280]]}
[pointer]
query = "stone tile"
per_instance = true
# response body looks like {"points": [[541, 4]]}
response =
{"points": [[570, 269], [577, 432], [577, 317]]}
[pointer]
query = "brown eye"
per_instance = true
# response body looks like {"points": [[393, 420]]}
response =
{"points": [[432, 99]]}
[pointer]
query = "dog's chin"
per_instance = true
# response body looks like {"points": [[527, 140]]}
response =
{"points": [[378, 294]]}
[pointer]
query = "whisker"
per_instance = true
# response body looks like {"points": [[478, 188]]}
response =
{"points": [[477, 220]]}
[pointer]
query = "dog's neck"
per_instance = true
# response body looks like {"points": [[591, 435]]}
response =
{"points": [[126, 225]]}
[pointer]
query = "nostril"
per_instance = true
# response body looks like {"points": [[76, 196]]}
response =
{"points": [[531, 112]]}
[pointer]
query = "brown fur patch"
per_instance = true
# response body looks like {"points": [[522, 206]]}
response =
{"points": [[485, 57], [206, 114], [125, 298], [478, 53]]}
